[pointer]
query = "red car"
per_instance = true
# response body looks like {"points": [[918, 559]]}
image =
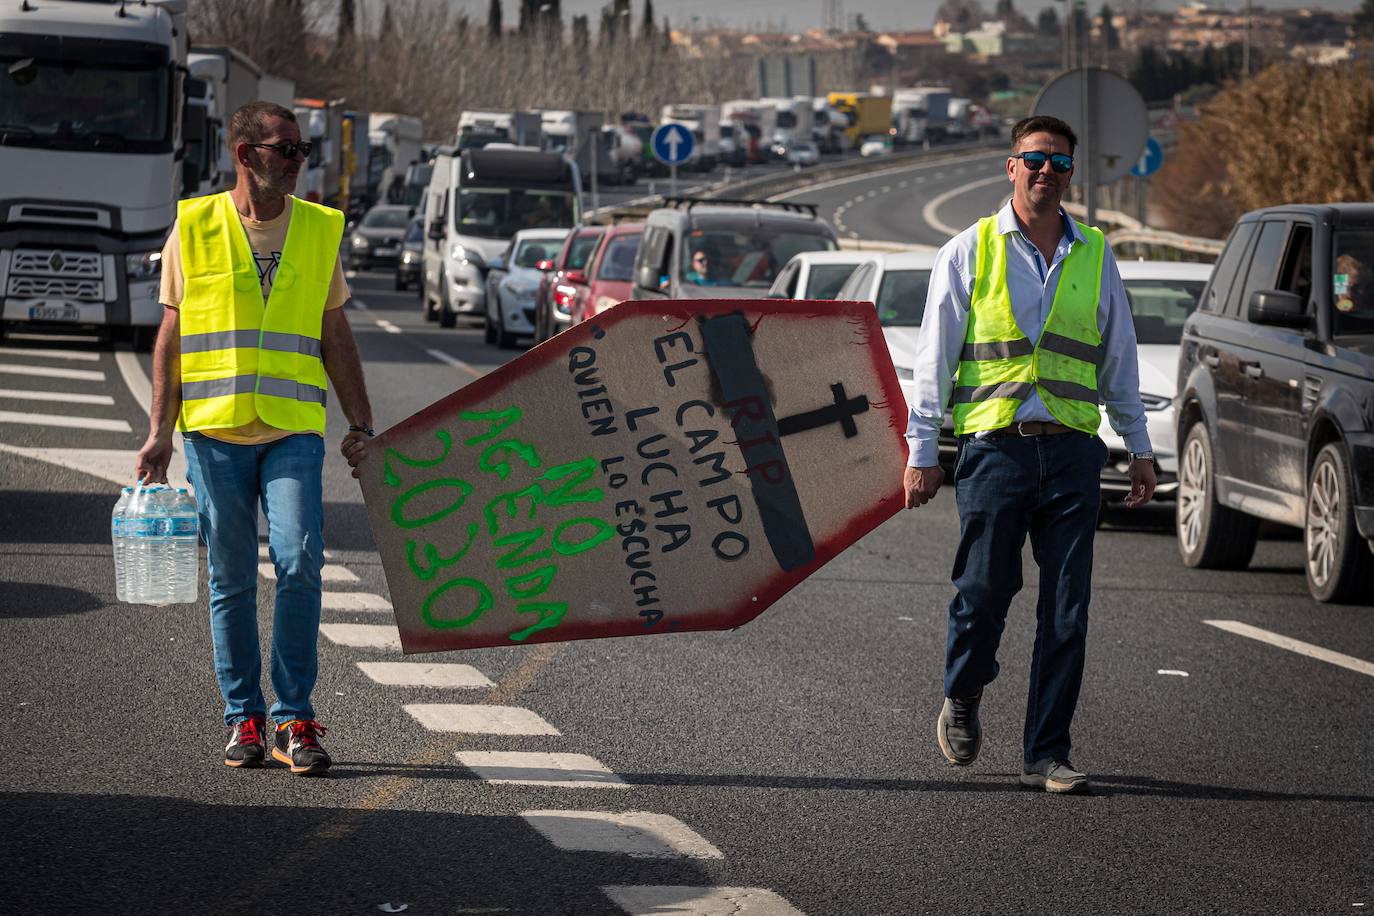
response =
{"points": [[611, 273], [564, 278]]}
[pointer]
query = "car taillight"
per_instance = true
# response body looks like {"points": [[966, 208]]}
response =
{"points": [[563, 297]]}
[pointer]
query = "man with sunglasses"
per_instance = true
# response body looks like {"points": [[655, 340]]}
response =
{"points": [[1026, 330], [253, 331]]}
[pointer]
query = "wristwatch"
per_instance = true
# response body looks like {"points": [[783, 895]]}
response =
{"points": [[1143, 456]]}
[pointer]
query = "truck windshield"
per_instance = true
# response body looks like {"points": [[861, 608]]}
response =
{"points": [[470, 137], [1352, 282], [69, 106], [1160, 307], [558, 143], [901, 298], [787, 119], [720, 257], [499, 213], [417, 180]]}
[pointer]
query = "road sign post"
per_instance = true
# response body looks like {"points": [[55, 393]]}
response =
{"points": [[672, 144]]}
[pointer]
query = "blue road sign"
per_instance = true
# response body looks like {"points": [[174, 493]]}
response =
{"points": [[672, 144], [1151, 158]]}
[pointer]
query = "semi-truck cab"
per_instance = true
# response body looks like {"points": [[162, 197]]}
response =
{"points": [[90, 135]]}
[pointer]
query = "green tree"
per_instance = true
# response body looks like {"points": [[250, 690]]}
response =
{"points": [[346, 26], [494, 27], [647, 24], [1110, 38], [1362, 25], [1047, 23], [581, 35]]}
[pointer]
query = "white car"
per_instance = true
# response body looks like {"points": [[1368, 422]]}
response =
{"points": [[817, 274], [875, 146], [513, 284], [896, 283], [1163, 294], [806, 153]]}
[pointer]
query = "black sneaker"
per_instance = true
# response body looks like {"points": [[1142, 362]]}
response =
{"points": [[958, 730], [298, 746], [245, 748]]}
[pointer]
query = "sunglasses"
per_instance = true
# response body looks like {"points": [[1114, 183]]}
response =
{"points": [[1035, 160], [286, 149]]}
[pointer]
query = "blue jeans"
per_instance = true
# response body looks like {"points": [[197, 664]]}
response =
{"points": [[230, 481], [1006, 488]]}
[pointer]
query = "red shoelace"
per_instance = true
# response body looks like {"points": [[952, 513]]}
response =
{"points": [[248, 732], [306, 731]]}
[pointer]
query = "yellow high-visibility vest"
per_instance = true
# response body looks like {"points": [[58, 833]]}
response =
{"points": [[999, 367], [241, 358]]}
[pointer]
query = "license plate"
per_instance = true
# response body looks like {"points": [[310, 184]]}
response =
{"points": [[54, 313], [387, 251]]}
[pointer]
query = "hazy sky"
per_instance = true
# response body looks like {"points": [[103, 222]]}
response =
{"points": [[804, 14]]}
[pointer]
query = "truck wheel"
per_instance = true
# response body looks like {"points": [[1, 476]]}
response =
{"points": [[448, 318], [1210, 535], [1340, 567]]}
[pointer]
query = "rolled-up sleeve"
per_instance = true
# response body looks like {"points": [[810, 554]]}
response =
{"points": [[1118, 378], [937, 350]]}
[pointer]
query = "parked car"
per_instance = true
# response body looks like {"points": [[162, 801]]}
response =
{"points": [[408, 266], [377, 238], [513, 283], [1162, 295], [896, 284], [804, 153], [564, 281], [610, 276], [712, 249], [817, 274], [876, 146], [1275, 386]]}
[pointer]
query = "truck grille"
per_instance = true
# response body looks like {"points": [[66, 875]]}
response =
{"points": [[55, 274], [55, 287]]}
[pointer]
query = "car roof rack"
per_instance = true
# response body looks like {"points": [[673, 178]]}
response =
{"points": [[687, 203]]}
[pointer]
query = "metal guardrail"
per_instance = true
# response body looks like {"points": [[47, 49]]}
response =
{"points": [[1159, 238]]}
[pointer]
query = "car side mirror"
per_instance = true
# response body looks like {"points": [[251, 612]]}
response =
{"points": [[545, 265], [646, 277], [1278, 308], [436, 229], [576, 276], [497, 263]]}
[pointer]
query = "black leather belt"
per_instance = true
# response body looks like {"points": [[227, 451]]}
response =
{"points": [[1027, 428]]}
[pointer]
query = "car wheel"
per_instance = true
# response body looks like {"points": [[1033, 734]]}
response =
{"points": [[1210, 535], [1340, 568], [448, 318], [489, 330], [505, 340]]}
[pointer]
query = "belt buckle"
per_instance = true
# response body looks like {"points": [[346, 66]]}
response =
{"points": [[1021, 429]]}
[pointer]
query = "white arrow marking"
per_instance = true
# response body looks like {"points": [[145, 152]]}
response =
{"points": [[673, 140]]}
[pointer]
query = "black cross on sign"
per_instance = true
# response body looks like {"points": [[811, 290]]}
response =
{"points": [[843, 412]]}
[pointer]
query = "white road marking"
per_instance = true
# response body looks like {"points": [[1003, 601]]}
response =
{"points": [[1172, 672], [114, 465], [78, 355], [929, 213], [454, 361], [65, 422], [330, 572], [569, 771], [862, 176], [425, 674], [135, 379], [55, 338], [353, 601], [387, 326], [638, 834], [358, 304], [62, 396], [642, 900], [263, 548], [1294, 645], [362, 635], [80, 375], [477, 719]]}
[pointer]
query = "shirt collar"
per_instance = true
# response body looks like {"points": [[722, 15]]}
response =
{"points": [[1006, 222]]}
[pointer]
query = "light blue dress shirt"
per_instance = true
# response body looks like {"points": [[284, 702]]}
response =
{"points": [[1032, 286]]}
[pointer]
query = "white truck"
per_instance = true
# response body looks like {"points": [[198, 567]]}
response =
{"points": [[960, 119], [704, 123], [478, 128], [753, 124], [321, 123], [89, 142], [828, 126], [395, 146], [202, 128], [920, 114], [793, 120]]}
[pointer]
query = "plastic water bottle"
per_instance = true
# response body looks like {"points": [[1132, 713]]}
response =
{"points": [[184, 530], [117, 539], [146, 526]]}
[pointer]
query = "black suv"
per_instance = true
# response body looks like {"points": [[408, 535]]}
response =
{"points": [[1275, 405]]}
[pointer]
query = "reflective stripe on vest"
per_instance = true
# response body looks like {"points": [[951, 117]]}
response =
{"points": [[998, 366], [243, 359]]}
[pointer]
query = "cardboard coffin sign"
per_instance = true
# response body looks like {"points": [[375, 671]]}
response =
{"points": [[669, 466]]}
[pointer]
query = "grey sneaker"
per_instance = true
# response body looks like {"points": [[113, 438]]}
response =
{"points": [[1055, 776], [958, 730]]}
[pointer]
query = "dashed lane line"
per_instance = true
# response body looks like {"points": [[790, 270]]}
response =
{"points": [[638, 834], [330, 572], [642, 900], [263, 548], [84, 356], [64, 422], [388, 326], [80, 375], [455, 362], [362, 635], [519, 768], [929, 213], [479, 719], [353, 601], [1294, 645], [62, 396], [425, 674]]}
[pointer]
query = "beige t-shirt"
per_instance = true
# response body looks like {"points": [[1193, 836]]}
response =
{"points": [[266, 238]]}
